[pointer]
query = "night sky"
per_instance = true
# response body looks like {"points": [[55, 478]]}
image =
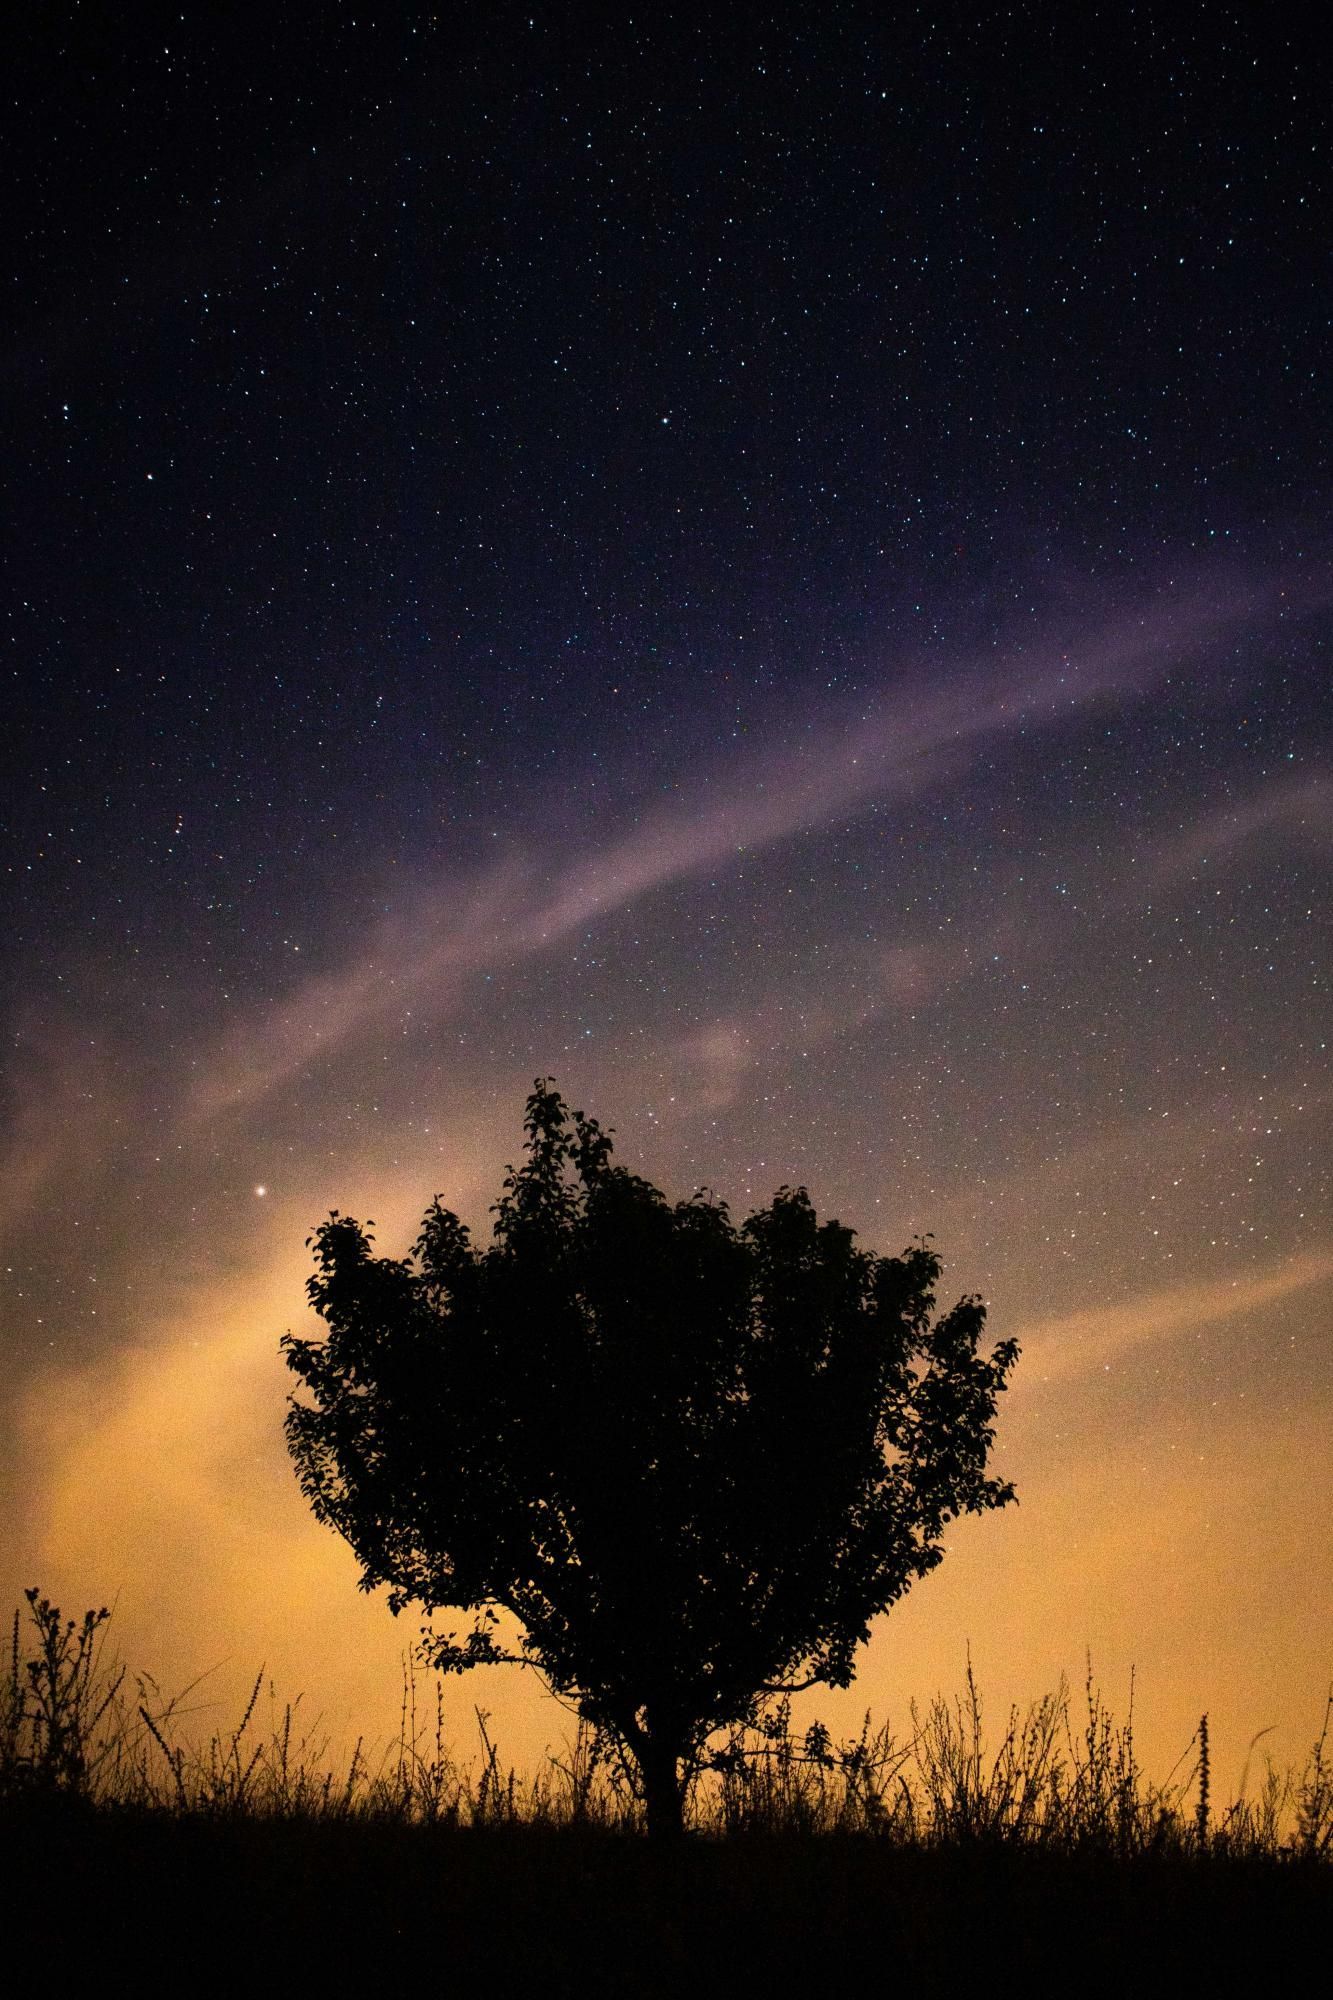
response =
{"points": [[775, 570]]}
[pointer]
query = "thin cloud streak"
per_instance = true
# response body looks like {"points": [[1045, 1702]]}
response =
{"points": [[1076, 1343], [1294, 807], [67, 1109], [887, 757], [892, 753], [406, 958]]}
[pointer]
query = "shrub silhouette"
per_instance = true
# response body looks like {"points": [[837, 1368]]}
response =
{"points": [[692, 1460], [53, 1703]]}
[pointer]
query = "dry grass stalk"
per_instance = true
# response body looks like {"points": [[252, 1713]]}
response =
{"points": [[69, 1729]]}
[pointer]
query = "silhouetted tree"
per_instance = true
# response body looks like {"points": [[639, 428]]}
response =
{"points": [[693, 1461]]}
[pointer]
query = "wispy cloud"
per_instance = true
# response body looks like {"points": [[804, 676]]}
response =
{"points": [[1076, 1343], [431, 950], [927, 729], [66, 1107], [1298, 809]]}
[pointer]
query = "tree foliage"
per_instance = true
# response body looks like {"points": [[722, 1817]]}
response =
{"points": [[693, 1460]]}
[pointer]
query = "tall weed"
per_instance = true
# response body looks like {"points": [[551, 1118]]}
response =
{"points": [[1059, 1778]]}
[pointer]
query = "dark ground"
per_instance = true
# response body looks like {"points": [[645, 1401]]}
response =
{"points": [[190, 1904]]}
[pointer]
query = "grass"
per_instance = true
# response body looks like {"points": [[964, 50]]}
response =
{"points": [[940, 1854]]}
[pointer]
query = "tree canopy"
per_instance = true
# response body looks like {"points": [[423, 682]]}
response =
{"points": [[693, 1460]]}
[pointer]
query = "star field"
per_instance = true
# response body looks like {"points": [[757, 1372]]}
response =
{"points": [[773, 569]]}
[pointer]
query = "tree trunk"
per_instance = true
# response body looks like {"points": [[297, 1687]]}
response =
{"points": [[663, 1795]]}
